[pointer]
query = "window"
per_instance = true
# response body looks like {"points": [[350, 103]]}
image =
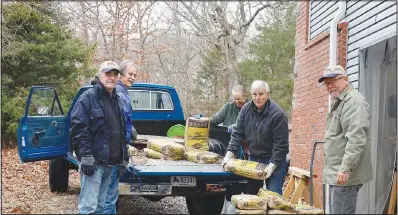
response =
{"points": [[161, 100], [150, 100], [44, 103]]}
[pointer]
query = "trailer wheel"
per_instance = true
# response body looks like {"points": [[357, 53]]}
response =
{"points": [[58, 175], [207, 205]]}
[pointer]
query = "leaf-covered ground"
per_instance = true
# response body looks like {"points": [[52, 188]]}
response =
{"points": [[25, 188]]}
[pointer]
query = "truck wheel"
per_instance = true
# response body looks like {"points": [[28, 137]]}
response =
{"points": [[208, 205], [58, 175]]}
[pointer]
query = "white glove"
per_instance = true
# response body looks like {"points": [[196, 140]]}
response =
{"points": [[227, 157], [270, 169]]}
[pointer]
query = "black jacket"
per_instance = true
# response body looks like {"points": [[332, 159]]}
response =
{"points": [[89, 133], [266, 132]]}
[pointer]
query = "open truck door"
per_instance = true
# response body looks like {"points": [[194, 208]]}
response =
{"points": [[43, 130]]}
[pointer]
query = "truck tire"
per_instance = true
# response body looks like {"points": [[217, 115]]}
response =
{"points": [[207, 205], [58, 175]]}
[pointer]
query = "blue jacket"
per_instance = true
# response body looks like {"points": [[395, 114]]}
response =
{"points": [[266, 132], [89, 132], [127, 109]]}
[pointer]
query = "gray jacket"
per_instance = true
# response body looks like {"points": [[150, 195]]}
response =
{"points": [[347, 140], [266, 132]]}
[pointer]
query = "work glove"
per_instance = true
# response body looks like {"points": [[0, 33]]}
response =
{"points": [[270, 169], [133, 135], [230, 128], [198, 116], [227, 157], [122, 168], [87, 166]]}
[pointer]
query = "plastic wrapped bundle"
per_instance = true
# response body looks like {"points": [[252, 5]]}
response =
{"points": [[174, 157], [197, 133], [132, 151], [245, 168], [165, 146], [276, 201], [198, 156], [249, 202], [307, 209], [152, 153]]}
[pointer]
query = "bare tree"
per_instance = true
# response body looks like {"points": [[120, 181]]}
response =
{"points": [[223, 24], [121, 29]]}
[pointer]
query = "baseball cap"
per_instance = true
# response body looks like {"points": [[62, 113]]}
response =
{"points": [[109, 66], [332, 71]]}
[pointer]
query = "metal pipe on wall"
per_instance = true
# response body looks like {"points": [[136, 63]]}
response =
{"points": [[332, 61]]}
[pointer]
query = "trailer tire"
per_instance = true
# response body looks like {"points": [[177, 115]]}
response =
{"points": [[208, 205], [58, 175]]}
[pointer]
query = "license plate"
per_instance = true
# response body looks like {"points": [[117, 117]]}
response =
{"points": [[146, 189], [183, 181]]}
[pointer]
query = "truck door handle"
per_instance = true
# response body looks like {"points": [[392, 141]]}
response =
{"points": [[40, 132]]}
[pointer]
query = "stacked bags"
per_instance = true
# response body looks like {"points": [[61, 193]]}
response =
{"points": [[164, 149], [249, 204], [277, 204], [199, 156]]}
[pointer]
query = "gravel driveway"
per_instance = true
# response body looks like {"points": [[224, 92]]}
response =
{"points": [[25, 190]]}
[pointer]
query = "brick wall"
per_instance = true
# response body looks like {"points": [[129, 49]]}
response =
{"points": [[310, 99]]}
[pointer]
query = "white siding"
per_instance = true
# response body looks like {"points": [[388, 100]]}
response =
{"points": [[368, 21], [321, 14]]}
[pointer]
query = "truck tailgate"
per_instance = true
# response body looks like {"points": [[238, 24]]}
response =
{"points": [[146, 166]]}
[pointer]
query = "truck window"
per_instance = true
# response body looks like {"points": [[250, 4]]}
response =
{"points": [[43, 103], [161, 100], [150, 100]]}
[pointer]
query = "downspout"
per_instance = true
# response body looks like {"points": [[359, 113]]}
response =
{"points": [[333, 38], [332, 61]]}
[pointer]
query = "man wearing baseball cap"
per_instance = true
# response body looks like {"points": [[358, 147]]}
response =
{"points": [[98, 131], [347, 142]]}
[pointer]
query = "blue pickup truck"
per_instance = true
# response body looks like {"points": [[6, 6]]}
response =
{"points": [[43, 134]]}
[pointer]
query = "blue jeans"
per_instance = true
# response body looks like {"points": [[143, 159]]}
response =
{"points": [[93, 190], [274, 182], [343, 199], [113, 192]]}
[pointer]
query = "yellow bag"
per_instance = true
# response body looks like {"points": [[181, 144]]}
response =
{"points": [[152, 153], [250, 211], [249, 202], [165, 146], [307, 209], [198, 156], [197, 133], [276, 201], [245, 168]]}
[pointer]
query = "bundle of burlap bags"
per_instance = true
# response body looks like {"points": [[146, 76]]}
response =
{"points": [[164, 149], [268, 202]]}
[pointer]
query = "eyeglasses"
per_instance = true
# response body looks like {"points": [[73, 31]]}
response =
{"points": [[333, 81]]}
